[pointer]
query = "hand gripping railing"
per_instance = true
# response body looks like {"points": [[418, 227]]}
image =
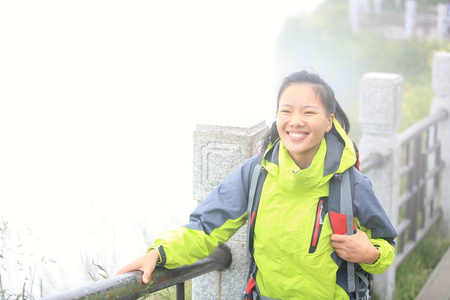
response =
{"points": [[129, 286]]}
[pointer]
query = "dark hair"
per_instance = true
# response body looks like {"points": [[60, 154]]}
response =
{"points": [[322, 89]]}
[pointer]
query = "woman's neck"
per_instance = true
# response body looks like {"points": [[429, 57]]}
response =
{"points": [[304, 161]]}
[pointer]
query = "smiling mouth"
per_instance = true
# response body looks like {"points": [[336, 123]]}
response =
{"points": [[297, 135]]}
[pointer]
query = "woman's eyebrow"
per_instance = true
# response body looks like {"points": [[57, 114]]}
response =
{"points": [[310, 106], [303, 107], [286, 104]]}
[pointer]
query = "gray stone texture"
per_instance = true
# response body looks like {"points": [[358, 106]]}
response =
{"points": [[442, 19], [218, 150], [380, 116], [380, 103], [410, 17]]}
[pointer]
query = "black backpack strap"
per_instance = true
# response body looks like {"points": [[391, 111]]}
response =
{"points": [[257, 177], [340, 211], [346, 208], [253, 203]]}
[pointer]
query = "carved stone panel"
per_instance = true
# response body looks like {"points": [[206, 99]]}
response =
{"points": [[218, 160], [381, 99]]}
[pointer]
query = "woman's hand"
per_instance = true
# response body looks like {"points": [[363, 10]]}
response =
{"points": [[355, 248], [146, 264]]}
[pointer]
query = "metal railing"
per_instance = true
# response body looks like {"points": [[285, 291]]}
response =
{"points": [[371, 162], [420, 168], [129, 286], [391, 24]]}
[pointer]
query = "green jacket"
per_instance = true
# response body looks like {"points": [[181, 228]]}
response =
{"points": [[284, 226]]}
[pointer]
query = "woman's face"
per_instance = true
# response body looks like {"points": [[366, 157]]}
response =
{"points": [[302, 121]]}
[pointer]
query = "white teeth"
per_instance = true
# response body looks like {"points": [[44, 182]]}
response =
{"points": [[296, 135]]}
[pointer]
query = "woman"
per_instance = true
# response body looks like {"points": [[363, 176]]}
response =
{"points": [[305, 147]]}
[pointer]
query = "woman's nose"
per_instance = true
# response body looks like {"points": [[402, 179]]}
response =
{"points": [[297, 120]]}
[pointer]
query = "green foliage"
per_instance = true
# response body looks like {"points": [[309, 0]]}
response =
{"points": [[101, 271], [413, 273], [324, 42]]}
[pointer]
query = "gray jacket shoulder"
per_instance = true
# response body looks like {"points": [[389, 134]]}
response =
{"points": [[227, 201], [369, 211]]}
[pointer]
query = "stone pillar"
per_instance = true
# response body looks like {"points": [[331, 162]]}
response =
{"points": [[410, 18], [218, 150], [378, 6], [441, 100], [442, 21], [354, 15], [380, 115], [364, 6]]}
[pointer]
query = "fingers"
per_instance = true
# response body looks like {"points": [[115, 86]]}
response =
{"points": [[148, 268], [138, 265], [338, 238], [146, 277], [343, 238], [125, 270], [145, 264], [355, 248]]}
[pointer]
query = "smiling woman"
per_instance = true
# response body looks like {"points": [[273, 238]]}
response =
{"points": [[295, 251]]}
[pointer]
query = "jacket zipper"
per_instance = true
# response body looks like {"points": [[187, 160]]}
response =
{"points": [[319, 223], [321, 210]]}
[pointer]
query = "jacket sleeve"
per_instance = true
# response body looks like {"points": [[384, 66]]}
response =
{"points": [[373, 220], [212, 223]]}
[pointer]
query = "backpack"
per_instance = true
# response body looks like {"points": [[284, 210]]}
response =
{"points": [[339, 206]]}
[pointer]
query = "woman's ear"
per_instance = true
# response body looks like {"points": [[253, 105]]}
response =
{"points": [[330, 122]]}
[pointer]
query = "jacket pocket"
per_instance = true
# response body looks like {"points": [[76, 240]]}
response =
{"points": [[318, 223]]}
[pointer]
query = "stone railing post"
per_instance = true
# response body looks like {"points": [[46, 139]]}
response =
{"points": [[218, 150], [410, 18], [380, 114], [442, 21], [378, 6], [354, 12], [441, 100]]}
